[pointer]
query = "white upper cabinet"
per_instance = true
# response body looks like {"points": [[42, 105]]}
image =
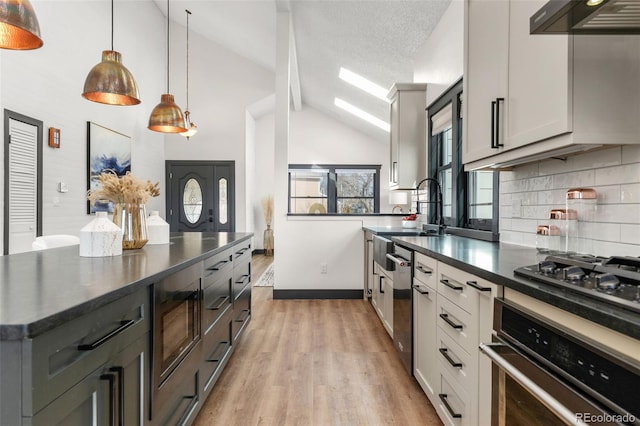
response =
{"points": [[529, 97], [408, 135]]}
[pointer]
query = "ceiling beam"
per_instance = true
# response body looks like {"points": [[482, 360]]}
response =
{"points": [[294, 82]]}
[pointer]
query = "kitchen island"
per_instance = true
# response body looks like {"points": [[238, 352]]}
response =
{"points": [[96, 338]]}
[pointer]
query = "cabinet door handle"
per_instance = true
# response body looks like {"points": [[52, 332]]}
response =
{"points": [[446, 319], [243, 315], [420, 290], [120, 400], [394, 172], [104, 339], [423, 270], [222, 299], [380, 284], [218, 352], [452, 286], [443, 398], [244, 279], [498, 101], [111, 378], [217, 266], [445, 354], [241, 252], [478, 287], [493, 124]]}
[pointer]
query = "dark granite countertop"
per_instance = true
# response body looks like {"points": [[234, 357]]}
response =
{"points": [[42, 289], [387, 231], [495, 262]]}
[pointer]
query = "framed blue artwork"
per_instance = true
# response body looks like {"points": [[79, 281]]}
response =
{"points": [[106, 150]]}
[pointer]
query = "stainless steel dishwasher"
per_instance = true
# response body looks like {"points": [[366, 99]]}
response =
{"points": [[402, 313]]}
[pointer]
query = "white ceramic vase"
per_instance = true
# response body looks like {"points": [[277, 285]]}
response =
{"points": [[100, 238], [158, 229]]}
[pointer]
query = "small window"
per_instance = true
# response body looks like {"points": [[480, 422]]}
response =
{"points": [[335, 189]]}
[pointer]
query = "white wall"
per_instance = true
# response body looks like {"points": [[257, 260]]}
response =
{"points": [[222, 85], [529, 192], [46, 84], [439, 62]]}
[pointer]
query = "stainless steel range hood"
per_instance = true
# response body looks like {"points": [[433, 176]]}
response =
{"points": [[577, 17]]}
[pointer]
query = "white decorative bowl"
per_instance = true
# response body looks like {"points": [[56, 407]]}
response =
{"points": [[409, 223]]}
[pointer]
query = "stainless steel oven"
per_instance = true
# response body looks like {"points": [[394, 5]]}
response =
{"points": [[402, 305], [176, 328], [545, 375]]}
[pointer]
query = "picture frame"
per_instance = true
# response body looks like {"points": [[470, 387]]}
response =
{"points": [[106, 150]]}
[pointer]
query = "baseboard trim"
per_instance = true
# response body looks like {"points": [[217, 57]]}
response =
{"points": [[317, 294], [257, 251]]}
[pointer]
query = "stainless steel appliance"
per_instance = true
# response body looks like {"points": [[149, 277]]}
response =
{"points": [[586, 17], [543, 374], [381, 247], [614, 280], [402, 313], [176, 332]]}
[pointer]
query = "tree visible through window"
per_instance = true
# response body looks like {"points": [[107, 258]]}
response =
{"points": [[340, 189]]}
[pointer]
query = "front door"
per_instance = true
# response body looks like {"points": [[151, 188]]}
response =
{"points": [[22, 182], [201, 196]]}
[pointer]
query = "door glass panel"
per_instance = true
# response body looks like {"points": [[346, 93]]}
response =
{"points": [[192, 200], [222, 200]]}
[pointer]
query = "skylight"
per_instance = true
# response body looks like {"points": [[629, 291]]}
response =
{"points": [[362, 114], [363, 84]]}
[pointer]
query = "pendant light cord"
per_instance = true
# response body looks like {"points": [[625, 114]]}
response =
{"points": [[168, 46], [111, 24], [188, 13]]}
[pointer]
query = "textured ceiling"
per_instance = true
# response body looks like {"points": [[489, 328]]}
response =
{"points": [[376, 39]]}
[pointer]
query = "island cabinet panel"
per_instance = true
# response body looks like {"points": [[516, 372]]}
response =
{"points": [[57, 360]]}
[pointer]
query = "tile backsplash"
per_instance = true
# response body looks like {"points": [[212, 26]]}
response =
{"points": [[529, 192]]}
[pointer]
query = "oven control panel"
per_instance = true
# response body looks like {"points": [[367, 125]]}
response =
{"points": [[599, 374]]}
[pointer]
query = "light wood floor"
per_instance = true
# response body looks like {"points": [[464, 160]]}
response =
{"points": [[314, 362]]}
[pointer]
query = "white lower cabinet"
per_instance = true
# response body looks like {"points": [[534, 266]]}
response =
{"points": [[382, 297], [453, 312]]}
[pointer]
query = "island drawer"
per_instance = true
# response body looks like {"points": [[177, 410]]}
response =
{"points": [[242, 252], [241, 312], [218, 264], [67, 354], [425, 270], [216, 350], [216, 299], [241, 278], [458, 324]]}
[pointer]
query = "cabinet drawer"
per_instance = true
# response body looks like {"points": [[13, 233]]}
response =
{"points": [[425, 269], [241, 312], [180, 408], [460, 287], [241, 252], [241, 278], [454, 404], [217, 265], [458, 324], [216, 300], [67, 354], [461, 365], [216, 350]]}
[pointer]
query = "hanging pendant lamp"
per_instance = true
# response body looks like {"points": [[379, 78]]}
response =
{"points": [[19, 28], [192, 129], [167, 117], [110, 82]]}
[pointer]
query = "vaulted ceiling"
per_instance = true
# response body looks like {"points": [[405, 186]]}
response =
{"points": [[377, 39]]}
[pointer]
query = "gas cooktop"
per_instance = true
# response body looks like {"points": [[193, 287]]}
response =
{"points": [[615, 280]]}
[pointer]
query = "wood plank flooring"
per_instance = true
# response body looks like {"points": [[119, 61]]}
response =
{"points": [[314, 362]]}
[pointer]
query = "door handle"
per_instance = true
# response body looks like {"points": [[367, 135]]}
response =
{"points": [[451, 286], [445, 354], [111, 378], [419, 289], [443, 398], [380, 284], [446, 319]]}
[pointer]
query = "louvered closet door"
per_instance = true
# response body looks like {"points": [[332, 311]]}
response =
{"points": [[23, 186]]}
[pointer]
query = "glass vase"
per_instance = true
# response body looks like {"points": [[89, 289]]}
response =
{"points": [[132, 219], [267, 241]]}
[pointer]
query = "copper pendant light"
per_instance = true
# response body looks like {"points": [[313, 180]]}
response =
{"points": [[167, 117], [192, 129], [110, 82], [19, 28]]}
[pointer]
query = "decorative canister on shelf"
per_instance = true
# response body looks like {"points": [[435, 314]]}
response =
{"points": [[132, 219], [129, 195], [158, 229], [584, 201], [546, 237], [100, 238], [267, 238], [566, 220]]}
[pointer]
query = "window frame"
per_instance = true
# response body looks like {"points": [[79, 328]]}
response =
{"points": [[486, 229], [332, 190]]}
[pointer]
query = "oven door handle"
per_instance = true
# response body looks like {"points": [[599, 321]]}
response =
{"points": [[398, 260], [549, 401]]}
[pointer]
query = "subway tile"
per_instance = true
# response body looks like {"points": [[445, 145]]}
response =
{"points": [[630, 154], [630, 234], [552, 197], [605, 231], [595, 159], [526, 171], [618, 213], [540, 183], [535, 212], [573, 180], [507, 187], [628, 173], [524, 225], [609, 194], [505, 224], [507, 176], [511, 237], [606, 248], [630, 193], [552, 166], [505, 199]]}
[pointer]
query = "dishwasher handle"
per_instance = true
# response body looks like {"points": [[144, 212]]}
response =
{"points": [[549, 401], [398, 260]]}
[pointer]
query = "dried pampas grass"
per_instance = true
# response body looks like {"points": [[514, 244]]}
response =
{"points": [[267, 209], [125, 189]]}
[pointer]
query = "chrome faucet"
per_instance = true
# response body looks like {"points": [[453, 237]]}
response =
{"points": [[439, 203]]}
